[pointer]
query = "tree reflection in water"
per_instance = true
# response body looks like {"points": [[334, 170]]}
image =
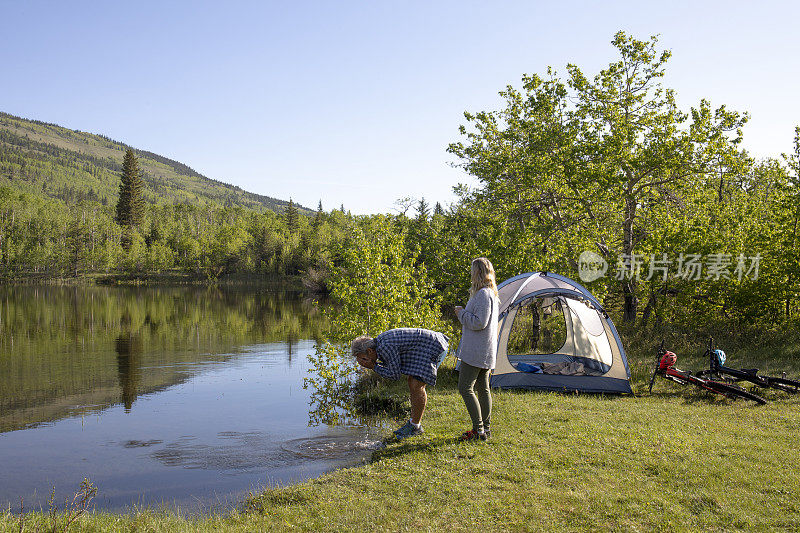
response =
{"points": [[332, 380], [129, 351], [71, 349]]}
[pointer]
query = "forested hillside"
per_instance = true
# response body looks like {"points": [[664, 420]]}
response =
{"points": [[59, 191], [68, 165]]}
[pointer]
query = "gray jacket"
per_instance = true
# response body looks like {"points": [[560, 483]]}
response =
{"points": [[478, 319]]}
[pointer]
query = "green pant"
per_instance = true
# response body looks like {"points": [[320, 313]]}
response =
{"points": [[473, 384]]}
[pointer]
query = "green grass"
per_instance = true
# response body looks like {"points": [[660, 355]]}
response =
{"points": [[676, 460]]}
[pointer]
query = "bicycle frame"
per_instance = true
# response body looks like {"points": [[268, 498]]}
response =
{"points": [[716, 369], [667, 370]]}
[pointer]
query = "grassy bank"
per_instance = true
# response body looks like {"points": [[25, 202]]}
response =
{"points": [[673, 460]]}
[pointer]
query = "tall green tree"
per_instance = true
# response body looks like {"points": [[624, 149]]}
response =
{"points": [[318, 216], [581, 163], [377, 285], [130, 206], [423, 210], [290, 216], [789, 218], [380, 284]]}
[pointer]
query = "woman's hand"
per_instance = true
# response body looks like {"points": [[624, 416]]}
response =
{"points": [[458, 310]]}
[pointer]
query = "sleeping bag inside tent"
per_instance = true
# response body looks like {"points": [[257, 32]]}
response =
{"points": [[554, 335]]}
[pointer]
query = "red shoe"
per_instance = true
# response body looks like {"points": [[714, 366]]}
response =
{"points": [[472, 435]]}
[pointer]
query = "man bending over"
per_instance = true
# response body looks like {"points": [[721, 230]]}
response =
{"points": [[413, 352]]}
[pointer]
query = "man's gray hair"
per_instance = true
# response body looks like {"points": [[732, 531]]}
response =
{"points": [[361, 345]]}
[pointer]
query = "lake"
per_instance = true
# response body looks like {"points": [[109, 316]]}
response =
{"points": [[188, 397]]}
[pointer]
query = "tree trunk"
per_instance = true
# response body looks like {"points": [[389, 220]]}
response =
{"points": [[631, 304], [629, 286], [648, 309]]}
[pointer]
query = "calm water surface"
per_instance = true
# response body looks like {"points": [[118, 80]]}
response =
{"points": [[177, 396]]}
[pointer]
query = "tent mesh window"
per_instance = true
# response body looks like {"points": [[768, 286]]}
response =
{"points": [[539, 328]]}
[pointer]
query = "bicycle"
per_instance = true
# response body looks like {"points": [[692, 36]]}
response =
{"points": [[665, 367], [718, 370]]}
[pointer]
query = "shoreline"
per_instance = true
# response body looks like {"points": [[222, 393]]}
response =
{"points": [[289, 282]]}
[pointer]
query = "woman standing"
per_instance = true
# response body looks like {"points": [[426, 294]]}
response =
{"points": [[478, 348]]}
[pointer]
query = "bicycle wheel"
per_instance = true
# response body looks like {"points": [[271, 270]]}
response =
{"points": [[655, 369], [732, 391], [652, 380], [729, 375], [786, 385]]}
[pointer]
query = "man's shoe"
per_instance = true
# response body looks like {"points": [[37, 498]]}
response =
{"points": [[408, 430]]}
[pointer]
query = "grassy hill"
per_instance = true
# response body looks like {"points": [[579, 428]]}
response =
{"points": [[69, 165]]}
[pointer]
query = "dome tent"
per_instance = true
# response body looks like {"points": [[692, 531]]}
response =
{"points": [[554, 335]]}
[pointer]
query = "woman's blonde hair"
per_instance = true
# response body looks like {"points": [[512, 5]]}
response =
{"points": [[482, 275]]}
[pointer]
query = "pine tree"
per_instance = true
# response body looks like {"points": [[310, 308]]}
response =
{"points": [[318, 217], [423, 210], [130, 206], [438, 209], [290, 216]]}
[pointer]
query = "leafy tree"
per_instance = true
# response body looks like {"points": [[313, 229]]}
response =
{"points": [[402, 205], [159, 257], [790, 227], [380, 286], [135, 260], [579, 164], [130, 206]]}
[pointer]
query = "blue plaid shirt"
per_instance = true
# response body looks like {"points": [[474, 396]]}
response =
{"points": [[411, 351]]}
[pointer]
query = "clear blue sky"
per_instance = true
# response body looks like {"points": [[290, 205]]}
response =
{"points": [[355, 102]]}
